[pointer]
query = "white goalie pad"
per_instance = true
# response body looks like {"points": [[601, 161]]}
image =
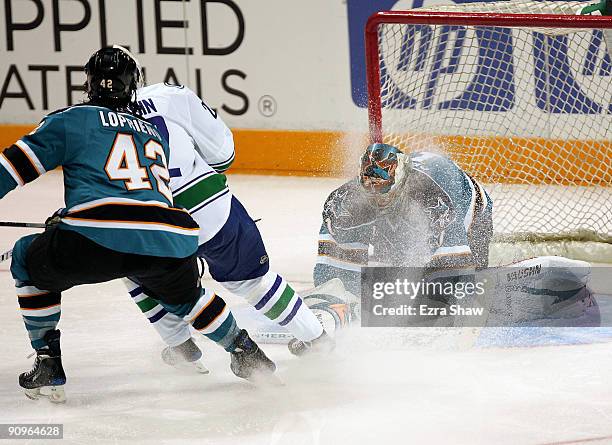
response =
{"points": [[547, 287], [333, 305]]}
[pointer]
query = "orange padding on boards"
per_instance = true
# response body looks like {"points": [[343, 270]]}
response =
{"points": [[491, 159], [273, 152], [516, 160], [9, 134], [321, 153]]}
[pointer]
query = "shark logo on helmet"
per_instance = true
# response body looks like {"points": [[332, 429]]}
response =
{"points": [[378, 167]]}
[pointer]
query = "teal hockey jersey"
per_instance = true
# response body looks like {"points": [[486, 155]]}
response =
{"points": [[115, 179], [440, 219]]}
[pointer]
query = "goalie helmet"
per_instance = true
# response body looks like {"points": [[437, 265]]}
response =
{"points": [[113, 75], [381, 171]]}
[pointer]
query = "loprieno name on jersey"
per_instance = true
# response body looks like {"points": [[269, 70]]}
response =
{"points": [[112, 119]]}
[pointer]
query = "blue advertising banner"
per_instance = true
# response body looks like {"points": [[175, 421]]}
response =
{"points": [[556, 84]]}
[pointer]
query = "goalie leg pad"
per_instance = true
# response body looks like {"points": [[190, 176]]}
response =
{"points": [[332, 316], [335, 307], [548, 287]]}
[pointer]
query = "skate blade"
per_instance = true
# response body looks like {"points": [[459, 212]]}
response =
{"points": [[200, 367], [317, 350], [55, 394], [183, 365]]}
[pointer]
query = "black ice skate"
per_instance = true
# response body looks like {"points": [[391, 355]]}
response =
{"points": [[322, 344], [185, 353], [249, 361], [47, 377]]}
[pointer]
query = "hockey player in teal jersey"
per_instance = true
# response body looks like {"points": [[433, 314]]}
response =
{"points": [[417, 209], [119, 221], [420, 209]]}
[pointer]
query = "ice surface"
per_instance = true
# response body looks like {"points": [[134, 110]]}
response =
{"points": [[379, 387]]}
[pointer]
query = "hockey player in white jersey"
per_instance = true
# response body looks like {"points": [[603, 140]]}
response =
{"points": [[202, 148]]}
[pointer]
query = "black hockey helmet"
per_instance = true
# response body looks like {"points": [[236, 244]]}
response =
{"points": [[113, 74]]}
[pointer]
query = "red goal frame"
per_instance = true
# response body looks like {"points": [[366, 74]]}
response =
{"points": [[416, 17]]}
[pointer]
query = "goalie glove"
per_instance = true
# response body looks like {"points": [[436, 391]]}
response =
{"points": [[334, 307]]}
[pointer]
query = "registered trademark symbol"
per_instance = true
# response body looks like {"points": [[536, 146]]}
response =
{"points": [[267, 106]]}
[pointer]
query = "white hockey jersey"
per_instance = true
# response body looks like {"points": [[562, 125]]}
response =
{"points": [[201, 148]]}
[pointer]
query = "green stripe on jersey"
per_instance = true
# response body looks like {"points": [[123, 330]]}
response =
{"points": [[281, 304], [201, 191], [146, 304]]}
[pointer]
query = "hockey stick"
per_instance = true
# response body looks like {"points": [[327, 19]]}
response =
{"points": [[22, 224], [6, 256], [9, 253]]}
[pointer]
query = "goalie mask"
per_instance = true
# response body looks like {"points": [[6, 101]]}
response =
{"points": [[113, 75], [381, 171]]}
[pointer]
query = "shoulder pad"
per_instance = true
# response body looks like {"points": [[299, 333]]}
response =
{"points": [[343, 190], [334, 203]]}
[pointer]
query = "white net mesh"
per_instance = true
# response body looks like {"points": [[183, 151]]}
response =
{"points": [[527, 111]]}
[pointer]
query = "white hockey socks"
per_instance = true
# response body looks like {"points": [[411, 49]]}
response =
{"points": [[275, 298]]}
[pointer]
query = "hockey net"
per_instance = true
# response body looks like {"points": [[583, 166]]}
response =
{"points": [[519, 94]]}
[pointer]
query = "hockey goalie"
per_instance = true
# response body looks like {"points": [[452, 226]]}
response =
{"points": [[421, 210]]}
